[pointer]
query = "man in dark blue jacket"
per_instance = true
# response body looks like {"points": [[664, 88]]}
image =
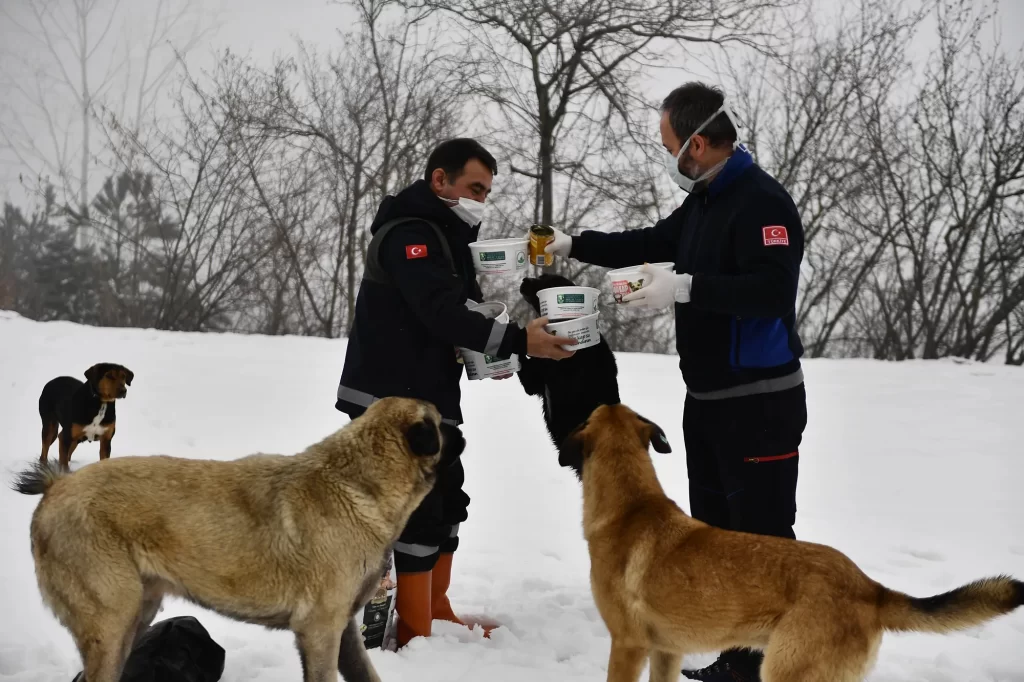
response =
{"points": [[737, 243], [411, 314]]}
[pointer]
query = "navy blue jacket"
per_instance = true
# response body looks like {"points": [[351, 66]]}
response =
{"points": [[742, 240], [404, 334]]}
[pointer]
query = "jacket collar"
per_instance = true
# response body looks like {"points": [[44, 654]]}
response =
{"points": [[739, 162]]}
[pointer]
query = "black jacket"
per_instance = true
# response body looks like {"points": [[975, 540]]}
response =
{"points": [[404, 335], [742, 240]]}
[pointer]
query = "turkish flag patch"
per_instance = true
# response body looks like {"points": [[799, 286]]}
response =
{"points": [[775, 235], [415, 251]]}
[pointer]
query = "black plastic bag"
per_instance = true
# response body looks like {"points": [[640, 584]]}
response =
{"points": [[173, 650]]}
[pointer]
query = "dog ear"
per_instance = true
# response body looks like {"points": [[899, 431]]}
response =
{"points": [[529, 289], [453, 442], [423, 438], [93, 376], [529, 286], [656, 436], [570, 450], [128, 375]]}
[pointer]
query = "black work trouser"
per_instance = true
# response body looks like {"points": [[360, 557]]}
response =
{"points": [[742, 458], [433, 527]]}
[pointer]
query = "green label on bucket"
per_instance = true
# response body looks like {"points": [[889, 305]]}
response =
{"points": [[570, 298], [492, 255]]}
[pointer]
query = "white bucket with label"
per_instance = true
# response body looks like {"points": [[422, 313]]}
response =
{"points": [[500, 256], [625, 281], [566, 303], [583, 329], [480, 365]]}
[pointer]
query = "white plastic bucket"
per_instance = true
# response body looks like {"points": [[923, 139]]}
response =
{"points": [[566, 303], [500, 256], [583, 329], [480, 365], [625, 281]]}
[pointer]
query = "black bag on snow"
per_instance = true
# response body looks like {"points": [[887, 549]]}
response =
{"points": [[173, 650]]}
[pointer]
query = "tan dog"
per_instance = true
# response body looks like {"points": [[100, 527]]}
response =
{"points": [[667, 585], [289, 542]]}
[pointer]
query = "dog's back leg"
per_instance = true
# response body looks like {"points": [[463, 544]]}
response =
{"points": [[353, 661], [810, 645], [50, 428], [626, 663], [105, 632], [94, 589]]}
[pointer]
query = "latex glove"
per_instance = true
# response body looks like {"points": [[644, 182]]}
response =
{"points": [[662, 288], [561, 245]]}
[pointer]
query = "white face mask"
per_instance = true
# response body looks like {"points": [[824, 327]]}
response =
{"points": [[469, 211], [672, 161]]}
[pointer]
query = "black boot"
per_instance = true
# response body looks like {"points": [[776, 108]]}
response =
{"points": [[734, 665]]}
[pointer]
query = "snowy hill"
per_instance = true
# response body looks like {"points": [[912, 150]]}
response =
{"points": [[914, 470]]}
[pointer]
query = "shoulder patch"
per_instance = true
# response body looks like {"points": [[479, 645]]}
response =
{"points": [[415, 251], [775, 235]]}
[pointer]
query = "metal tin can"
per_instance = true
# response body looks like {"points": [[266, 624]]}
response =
{"points": [[540, 237]]}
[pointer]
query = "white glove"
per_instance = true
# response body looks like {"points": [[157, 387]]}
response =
{"points": [[661, 288], [561, 245]]}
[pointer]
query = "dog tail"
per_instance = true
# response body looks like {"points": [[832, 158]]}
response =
{"points": [[964, 607], [38, 479]]}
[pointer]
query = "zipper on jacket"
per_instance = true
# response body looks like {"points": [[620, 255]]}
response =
{"points": [[773, 458]]}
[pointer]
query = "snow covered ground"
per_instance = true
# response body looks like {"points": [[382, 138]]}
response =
{"points": [[914, 470]]}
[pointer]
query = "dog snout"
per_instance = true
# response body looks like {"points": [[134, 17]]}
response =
{"points": [[122, 392]]}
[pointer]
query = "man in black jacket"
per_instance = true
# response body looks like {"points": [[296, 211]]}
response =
{"points": [[411, 314], [737, 242]]}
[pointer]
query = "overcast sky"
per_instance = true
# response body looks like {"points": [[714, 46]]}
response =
{"points": [[263, 27]]}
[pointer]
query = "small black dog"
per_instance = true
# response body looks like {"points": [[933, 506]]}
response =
{"points": [[83, 411], [573, 388]]}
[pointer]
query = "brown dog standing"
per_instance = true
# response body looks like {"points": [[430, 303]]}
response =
{"points": [[82, 411], [288, 542], [667, 585]]}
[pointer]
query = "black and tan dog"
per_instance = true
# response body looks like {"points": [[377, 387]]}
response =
{"points": [[667, 585], [570, 389], [82, 411], [289, 542]]}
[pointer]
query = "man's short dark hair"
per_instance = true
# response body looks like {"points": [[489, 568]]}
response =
{"points": [[451, 156], [690, 105]]}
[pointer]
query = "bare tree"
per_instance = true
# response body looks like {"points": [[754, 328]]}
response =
{"points": [[71, 68], [805, 113], [326, 138], [909, 189], [956, 272], [558, 69], [182, 234]]}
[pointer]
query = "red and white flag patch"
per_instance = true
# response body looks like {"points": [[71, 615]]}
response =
{"points": [[415, 251], [775, 235]]}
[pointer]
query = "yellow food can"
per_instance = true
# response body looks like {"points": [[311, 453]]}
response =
{"points": [[540, 237]]}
